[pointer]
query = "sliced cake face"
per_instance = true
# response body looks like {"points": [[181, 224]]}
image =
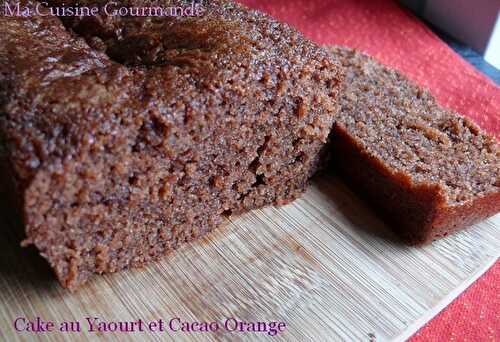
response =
{"points": [[124, 143], [443, 171]]}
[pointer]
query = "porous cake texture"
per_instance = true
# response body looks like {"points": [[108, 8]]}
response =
{"points": [[127, 136], [428, 170]]}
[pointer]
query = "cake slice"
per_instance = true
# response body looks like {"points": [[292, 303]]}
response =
{"points": [[428, 170], [127, 136]]}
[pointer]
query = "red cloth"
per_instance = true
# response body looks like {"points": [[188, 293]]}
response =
{"points": [[397, 38], [473, 316]]}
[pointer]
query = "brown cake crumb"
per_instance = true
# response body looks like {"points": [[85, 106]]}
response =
{"points": [[127, 136], [428, 170]]}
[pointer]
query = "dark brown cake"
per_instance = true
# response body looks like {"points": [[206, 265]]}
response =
{"points": [[127, 136], [428, 170]]}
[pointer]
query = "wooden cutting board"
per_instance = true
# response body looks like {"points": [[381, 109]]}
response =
{"points": [[324, 265]]}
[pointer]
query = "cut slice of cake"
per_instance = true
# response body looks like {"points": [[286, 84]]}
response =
{"points": [[428, 170]]}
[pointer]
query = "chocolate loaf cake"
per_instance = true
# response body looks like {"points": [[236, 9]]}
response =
{"points": [[428, 170], [126, 136]]}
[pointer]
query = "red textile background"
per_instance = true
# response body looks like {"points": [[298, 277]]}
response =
{"points": [[393, 35]]}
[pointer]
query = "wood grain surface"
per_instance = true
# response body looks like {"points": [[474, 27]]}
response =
{"points": [[324, 265]]}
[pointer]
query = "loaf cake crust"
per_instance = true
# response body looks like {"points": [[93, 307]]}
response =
{"points": [[128, 136], [428, 170]]}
